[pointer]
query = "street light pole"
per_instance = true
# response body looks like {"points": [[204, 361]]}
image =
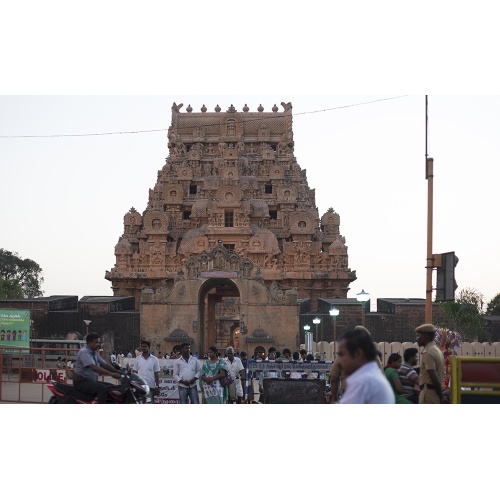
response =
{"points": [[308, 339], [334, 312], [316, 321], [87, 323], [363, 297]]}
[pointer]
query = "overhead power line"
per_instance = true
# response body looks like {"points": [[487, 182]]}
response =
{"points": [[80, 135], [350, 105], [166, 129]]}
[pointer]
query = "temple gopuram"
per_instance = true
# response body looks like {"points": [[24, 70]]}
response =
{"points": [[231, 239]]}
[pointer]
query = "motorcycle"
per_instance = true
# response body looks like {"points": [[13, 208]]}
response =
{"points": [[132, 390]]}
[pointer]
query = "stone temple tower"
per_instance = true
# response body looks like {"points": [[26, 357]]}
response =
{"points": [[230, 234]]}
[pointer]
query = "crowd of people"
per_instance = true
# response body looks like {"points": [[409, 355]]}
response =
{"points": [[356, 376]]}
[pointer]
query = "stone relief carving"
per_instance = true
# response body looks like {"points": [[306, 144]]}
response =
{"points": [[191, 268], [177, 107]]}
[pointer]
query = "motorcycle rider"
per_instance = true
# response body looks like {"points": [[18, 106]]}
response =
{"points": [[89, 365]]}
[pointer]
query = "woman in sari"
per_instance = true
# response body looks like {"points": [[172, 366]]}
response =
{"points": [[213, 370], [391, 372]]}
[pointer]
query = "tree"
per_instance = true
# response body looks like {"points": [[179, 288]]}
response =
{"points": [[466, 316], [493, 308], [19, 278], [10, 289]]}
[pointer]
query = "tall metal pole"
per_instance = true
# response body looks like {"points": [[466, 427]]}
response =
{"points": [[429, 175], [308, 339], [316, 321], [430, 260], [334, 337], [426, 132], [334, 312]]}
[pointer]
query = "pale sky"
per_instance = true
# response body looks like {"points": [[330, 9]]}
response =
{"points": [[62, 200], [113, 68], [66, 196]]}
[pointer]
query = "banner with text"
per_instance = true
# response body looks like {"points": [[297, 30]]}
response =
{"points": [[15, 327], [169, 389]]}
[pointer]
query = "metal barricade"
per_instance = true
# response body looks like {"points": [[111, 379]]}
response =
{"points": [[25, 372]]}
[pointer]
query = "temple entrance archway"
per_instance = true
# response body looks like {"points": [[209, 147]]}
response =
{"points": [[218, 308], [219, 314]]}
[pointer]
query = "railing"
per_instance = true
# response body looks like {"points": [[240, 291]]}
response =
{"points": [[469, 349], [25, 372]]}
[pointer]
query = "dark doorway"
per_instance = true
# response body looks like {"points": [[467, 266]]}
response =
{"points": [[219, 313]]}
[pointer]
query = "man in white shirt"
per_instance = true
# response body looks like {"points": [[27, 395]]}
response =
{"points": [[237, 370], [186, 374], [148, 367], [365, 382]]}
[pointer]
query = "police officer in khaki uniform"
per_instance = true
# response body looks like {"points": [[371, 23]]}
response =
{"points": [[431, 366]]}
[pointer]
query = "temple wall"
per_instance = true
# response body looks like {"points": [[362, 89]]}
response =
{"points": [[167, 314]]}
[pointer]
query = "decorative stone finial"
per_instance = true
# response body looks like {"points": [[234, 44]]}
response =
{"points": [[246, 108], [260, 108], [231, 109], [203, 109], [275, 109], [217, 109], [189, 108]]}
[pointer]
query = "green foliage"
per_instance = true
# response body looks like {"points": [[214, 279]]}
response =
{"points": [[465, 316], [19, 278], [10, 289], [493, 308]]}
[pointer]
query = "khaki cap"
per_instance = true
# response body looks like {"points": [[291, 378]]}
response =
{"points": [[427, 328]]}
